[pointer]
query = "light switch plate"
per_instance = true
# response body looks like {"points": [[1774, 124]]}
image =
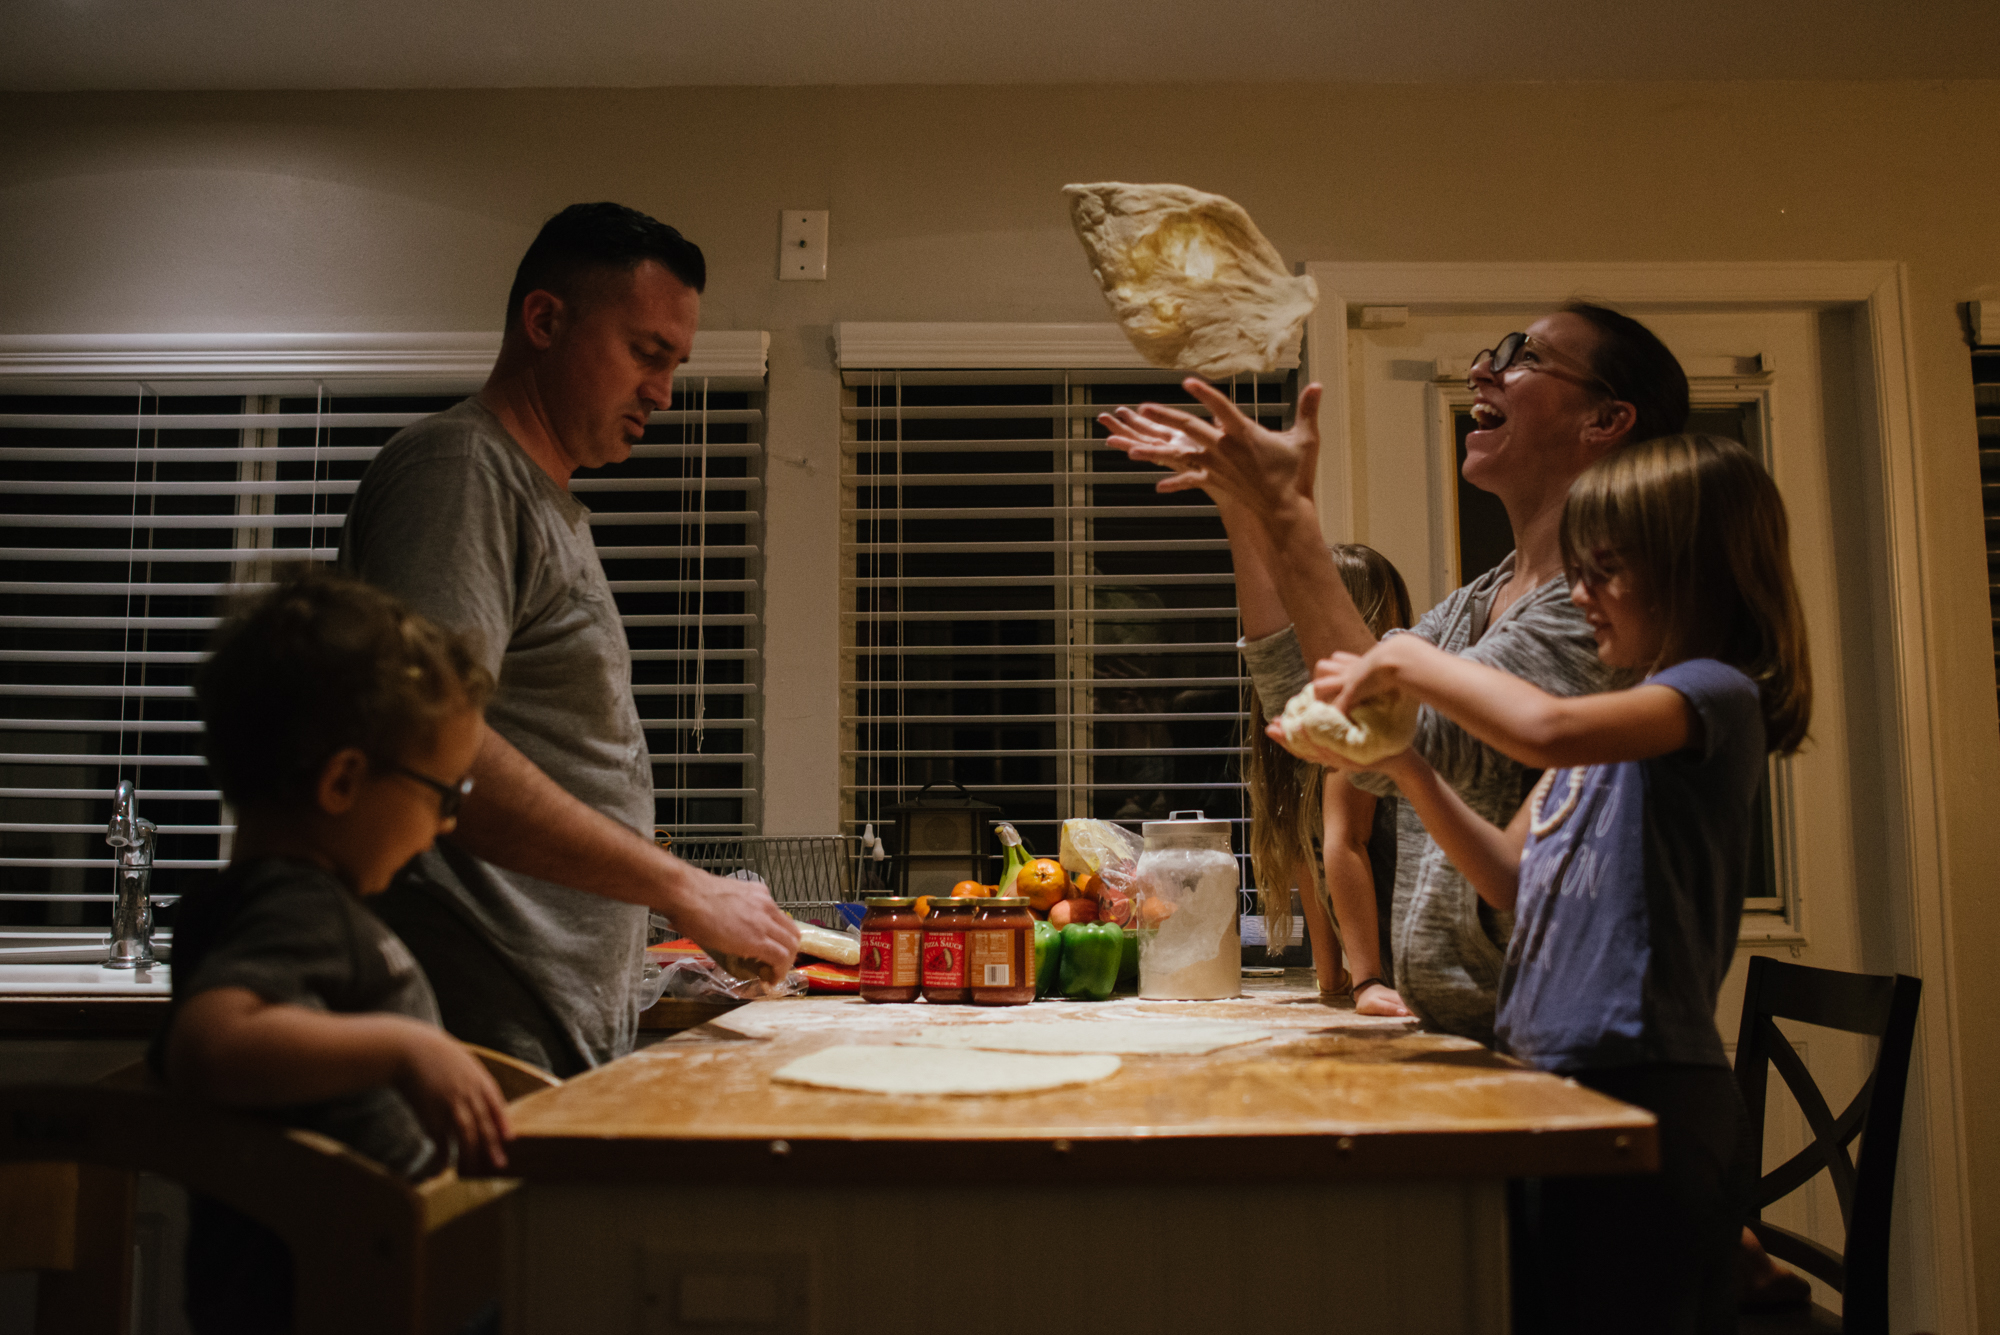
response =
{"points": [[802, 246]]}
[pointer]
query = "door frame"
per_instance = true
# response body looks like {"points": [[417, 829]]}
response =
{"points": [[1876, 295]]}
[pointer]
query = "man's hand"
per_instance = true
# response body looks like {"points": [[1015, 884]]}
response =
{"points": [[1231, 457], [520, 819], [454, 1097], [721, 913]]}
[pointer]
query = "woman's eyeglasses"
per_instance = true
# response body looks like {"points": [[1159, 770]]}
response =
{"points": [[451, 796], [1525, 352]]}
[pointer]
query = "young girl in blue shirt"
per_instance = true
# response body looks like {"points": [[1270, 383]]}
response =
{"points": [[1628, 864]]}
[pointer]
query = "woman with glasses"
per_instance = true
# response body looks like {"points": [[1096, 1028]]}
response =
{"points": [[1547, 403]]}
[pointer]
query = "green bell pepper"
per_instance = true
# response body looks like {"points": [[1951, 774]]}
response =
{"points": [[1048, 950], [1090, 955]]}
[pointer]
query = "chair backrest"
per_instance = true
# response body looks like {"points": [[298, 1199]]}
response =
{"points": [[1885, 1007], [360, 1236], [517, 1079]]}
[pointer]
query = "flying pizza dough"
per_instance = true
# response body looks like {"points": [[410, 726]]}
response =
{"points": [[1379, 727], [1194, 283], [912, 1070], [1136, 1038]]}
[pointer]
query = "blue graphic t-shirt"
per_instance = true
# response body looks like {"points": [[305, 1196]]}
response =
{"points": [[1628, 909]]}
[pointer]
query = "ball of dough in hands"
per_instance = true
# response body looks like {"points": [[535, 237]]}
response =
{"points": [[1380, 726]]}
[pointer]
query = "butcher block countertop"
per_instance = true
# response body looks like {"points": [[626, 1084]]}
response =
{"points": [[1330, 1095]]}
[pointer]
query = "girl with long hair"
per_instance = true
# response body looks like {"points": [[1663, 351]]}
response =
{"points": [[1299, 824]]}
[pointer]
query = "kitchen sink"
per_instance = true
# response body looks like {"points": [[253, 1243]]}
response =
{"points": [[68, 962], [83, 980]]}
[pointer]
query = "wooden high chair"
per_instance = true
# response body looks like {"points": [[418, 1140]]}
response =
{"points": [[371, 1251]]}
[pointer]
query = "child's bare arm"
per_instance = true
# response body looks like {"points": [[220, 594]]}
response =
{"points": [[1348, 813], [1326, 950], [230, 1045], [1489, 856], [1510, 715]]}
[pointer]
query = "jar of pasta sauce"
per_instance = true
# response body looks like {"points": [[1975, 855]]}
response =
{"points": [[944, 949], [1000, 952], [891, 949]]}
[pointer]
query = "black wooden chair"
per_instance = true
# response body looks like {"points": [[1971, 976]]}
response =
{"points": [[1886, 1008]]}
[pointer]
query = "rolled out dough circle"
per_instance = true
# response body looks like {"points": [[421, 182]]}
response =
{"points": [[880, 1069], [1134, 1038]]}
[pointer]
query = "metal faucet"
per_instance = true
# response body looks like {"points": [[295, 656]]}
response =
{"points": [[132, 916]]}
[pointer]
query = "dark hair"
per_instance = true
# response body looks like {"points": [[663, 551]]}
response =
{"points": [[1631, 358], [586, 237], [1700, 528], [318, 664]]}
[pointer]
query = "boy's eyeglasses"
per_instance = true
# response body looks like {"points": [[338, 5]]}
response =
{"points": [[1528, 353], [451, 796]]}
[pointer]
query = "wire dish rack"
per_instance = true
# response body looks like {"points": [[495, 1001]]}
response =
{"points": [[809, 874]]}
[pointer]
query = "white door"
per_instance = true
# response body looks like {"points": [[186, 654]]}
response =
{"points": [[1779, 381]]}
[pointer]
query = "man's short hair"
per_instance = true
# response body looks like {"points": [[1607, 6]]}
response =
{"points": [[595, 237], [316, 665]]}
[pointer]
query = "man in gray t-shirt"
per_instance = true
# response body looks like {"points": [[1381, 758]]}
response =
{"points": [[530, 920]]}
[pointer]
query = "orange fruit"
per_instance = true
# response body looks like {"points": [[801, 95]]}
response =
{"points": [[923, 906], [971, 890], [1044, 882], [1088, 886]]}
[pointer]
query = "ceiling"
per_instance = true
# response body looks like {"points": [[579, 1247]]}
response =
{"points": [[241, 44]]}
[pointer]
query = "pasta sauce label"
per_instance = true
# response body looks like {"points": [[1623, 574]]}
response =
{"points": [[990, 959], [944, 960], [889, 959]]}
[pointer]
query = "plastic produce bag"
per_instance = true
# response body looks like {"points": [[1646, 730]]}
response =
{"points": [[698, 978], [1111, 854]]}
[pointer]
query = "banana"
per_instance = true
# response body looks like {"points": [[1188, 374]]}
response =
{"points": [[1017, 856]]}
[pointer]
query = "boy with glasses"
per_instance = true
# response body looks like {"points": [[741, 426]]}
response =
{"points": [[340, 727]]}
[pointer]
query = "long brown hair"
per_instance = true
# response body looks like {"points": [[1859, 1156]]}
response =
{"points": [[1701, 528], [1285, 792]]}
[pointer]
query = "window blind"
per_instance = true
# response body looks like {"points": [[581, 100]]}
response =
{"points": [[1025, 615], [132, 512]]}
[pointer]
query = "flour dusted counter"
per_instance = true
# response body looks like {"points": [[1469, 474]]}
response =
{"points": [[1343, 1170]]}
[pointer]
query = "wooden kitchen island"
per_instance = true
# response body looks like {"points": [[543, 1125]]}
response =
{"points": [[1345, 1174]]}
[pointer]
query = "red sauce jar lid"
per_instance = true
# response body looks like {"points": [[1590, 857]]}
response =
{"points": [[893, 902]]}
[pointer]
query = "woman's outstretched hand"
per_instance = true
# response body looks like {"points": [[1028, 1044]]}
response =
{"points": [[1231, 457]]}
